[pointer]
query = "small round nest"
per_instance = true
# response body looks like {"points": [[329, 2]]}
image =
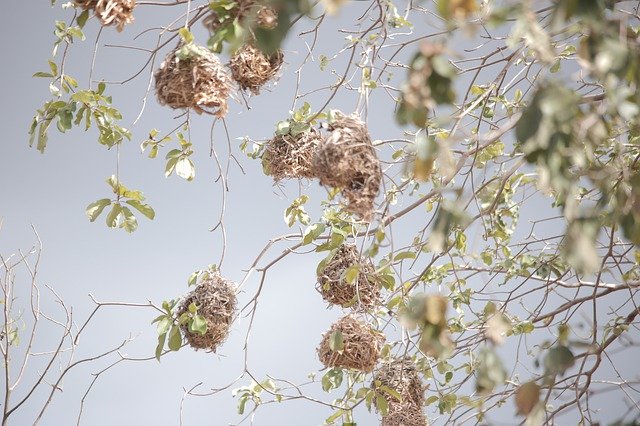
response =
{"points": [[215, 298], [265, 16], [404, 414], [288, 156], [402, 376], [361, 345], [363, 291], [193, 78], [252, 69], [346, 159]]}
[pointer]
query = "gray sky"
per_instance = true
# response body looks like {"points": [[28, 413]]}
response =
{"points": [[51, 191]]}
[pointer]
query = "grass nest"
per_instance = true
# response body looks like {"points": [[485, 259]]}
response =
{"points": [[252, 69], [215, 298], [358, 345], [193, 77], [264, 15], [402, 376], [289, 156], [110, 12], [346, 159], [404, 414], [363, 291]]}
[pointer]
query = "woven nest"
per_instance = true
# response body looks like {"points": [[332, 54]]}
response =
{"points": [[347, 160], [288, 156], [216, 301], [363, 291], [402, 376], [199, 82], [361, 346], [265, 16], [110, 12], [252, 69], [404, 414]]}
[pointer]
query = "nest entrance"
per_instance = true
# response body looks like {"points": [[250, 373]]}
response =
{"points": [[363, 291], [252, 69], [361, 346], [347, 160], [215, 298], [288, 156], [110, 12], [193, 77]]}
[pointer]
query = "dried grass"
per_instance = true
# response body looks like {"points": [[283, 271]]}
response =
{"points": [[288, 156], [110, 12], [404, 414], [347, 160], [252, 69], [361, 346], [216, 301], [362, 292], [199, 82], [402, 376], [265, 16]]}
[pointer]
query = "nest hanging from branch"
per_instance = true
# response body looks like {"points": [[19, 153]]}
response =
{"points": [[346, 159], [404, 414], [288, 156], [402, 376], [359, 345], [215, 298], [332, 283], [252, 69], [193, 77], [110, 12], [264, 15]]}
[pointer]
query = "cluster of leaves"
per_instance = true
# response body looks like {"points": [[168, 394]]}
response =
{"points": [[178, 159], [170, 326], [254, 392], [300, 122], [120, 215], [429, 313]]}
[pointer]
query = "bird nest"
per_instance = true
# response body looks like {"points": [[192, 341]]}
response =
{"points": [[110, 12], [252, 69], [402, 376], [193, 77], [346, 159], [335, 289], [263, 15], [215, 298], [404, 414], [289, 156], [360, 345]]}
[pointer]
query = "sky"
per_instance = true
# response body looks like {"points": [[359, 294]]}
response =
{"points": [[50, 191]]}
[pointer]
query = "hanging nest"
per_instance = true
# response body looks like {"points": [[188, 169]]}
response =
{"points": [[288, 156], [334, 288], [402, 376], [193, 77], [252, 69], [215, 298], [347, 160], [404, 414], [265, 16], [110, 12], [360, 345]]}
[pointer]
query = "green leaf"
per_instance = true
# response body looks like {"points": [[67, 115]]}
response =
{"points": [[161, 339], [42, 74], [81, 20], [351, 274], [145, 209], [186, 35], [185, 169], [198, 325], [112, 217], [336, 341], [164, 324], [53, 67], [130, 223], [95, 209], [312, 232], [404, 255], [175, 339], [382, 405]]}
